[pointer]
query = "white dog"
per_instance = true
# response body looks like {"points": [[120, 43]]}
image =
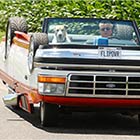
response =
{"points": [[60, 34]]}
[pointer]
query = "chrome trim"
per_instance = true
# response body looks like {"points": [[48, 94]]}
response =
{"points": [[54, 65], [11, 98], [94, 85], [105, 96], [51, 94], [126, 85]]}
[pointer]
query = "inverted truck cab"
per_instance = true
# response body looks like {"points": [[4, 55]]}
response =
{"points": [[71, 66]]}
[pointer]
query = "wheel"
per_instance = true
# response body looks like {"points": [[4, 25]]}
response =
{"points": [[14, 24], [48, 114], [35, 40], [139, 118]]}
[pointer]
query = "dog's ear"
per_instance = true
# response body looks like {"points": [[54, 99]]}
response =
{"points": [[66, 27], [54, 29]]}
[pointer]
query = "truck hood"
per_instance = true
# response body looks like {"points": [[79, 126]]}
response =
{"points": [[87, 54], [89, 57]]}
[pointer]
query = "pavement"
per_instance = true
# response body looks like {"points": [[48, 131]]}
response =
{"points": [[19, 125]]}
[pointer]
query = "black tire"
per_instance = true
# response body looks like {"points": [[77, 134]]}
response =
{"points": [[36, 40], [139, 118], [14, 24], [48, 114], [124, 32]]}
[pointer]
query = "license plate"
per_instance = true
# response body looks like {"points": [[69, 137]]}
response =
{"points": [[105, 52]]}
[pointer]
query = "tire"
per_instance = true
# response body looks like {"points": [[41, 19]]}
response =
{"points": [[14, 24], [36, 40], [124, 32], [48, 114], [139, 118]]}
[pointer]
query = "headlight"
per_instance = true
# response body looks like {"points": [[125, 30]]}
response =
{"points": [[51, 85], [48, 88]]}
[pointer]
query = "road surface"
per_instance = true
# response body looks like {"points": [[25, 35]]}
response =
{"points": [[19, 125]]}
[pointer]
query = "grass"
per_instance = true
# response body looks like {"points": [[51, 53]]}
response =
{"points": [[1, 34]]}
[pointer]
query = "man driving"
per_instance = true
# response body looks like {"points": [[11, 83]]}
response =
{"points": [[105, 28]]}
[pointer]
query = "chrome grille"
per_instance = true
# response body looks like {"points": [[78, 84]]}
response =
{"points": [[103, 85]]}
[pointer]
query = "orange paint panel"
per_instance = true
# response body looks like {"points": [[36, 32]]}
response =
{"points": [[8, 79], [22, 35], [20, 43], [32, 94]]}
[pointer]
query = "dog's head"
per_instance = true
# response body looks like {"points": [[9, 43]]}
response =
{"points": [[60, 33]]}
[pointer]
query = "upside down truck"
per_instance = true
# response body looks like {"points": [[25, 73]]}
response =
{"points": [[87, 73]]}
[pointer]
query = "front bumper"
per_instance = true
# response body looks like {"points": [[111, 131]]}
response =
{"points": [[92, 102]]}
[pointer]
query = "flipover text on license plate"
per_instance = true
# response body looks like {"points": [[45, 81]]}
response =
{"points": [[109, 52]]}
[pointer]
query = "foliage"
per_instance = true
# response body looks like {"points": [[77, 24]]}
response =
{"points": [[35, 10], [1, 35]]}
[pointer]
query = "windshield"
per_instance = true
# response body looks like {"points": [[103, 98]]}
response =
{"points": [[94, 32]]}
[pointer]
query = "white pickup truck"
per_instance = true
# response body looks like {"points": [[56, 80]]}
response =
{"points": [[69, 66]]}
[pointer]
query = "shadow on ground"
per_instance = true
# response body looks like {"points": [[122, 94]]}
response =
{"points": [[87, 123]]}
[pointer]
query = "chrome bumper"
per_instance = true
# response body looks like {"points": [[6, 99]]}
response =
{"points": [[10, 99]]}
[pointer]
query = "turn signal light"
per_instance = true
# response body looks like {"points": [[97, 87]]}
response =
{"points": [[46, 79]]}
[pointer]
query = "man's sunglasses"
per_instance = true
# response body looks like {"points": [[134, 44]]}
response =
{"points": [[105, 29]]}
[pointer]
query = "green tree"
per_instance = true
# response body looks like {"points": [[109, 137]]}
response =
{"points": [[35, 10]]}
